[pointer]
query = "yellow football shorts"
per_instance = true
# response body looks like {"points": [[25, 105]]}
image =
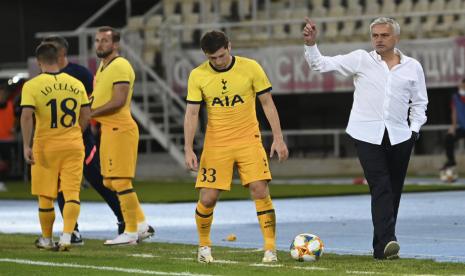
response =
{"points": [[118, 152], [217, 164], [55, 171]]}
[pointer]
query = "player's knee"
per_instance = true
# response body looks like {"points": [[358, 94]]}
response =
{"points": [[45, 202], [121, 184], [208, 202], [71, 196], [259, 190], [209, 197]]}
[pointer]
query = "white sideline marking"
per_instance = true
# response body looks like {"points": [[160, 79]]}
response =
{"points": [[310, 268], [182, 258], [107, 268], [266, 265], [143, 255], [214, 261], [224, 261]]}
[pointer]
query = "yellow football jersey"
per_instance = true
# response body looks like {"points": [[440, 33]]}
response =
{"points": [[229, 95], [119, 70], [57, 99]]}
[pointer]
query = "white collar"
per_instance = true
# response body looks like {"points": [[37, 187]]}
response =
{"points": [[396, 51]]}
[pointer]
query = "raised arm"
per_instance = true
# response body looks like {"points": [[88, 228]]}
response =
{"points": [[272, 116], [346, 65]]}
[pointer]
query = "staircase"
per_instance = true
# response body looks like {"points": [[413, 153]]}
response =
{"points": [[155, 106]]}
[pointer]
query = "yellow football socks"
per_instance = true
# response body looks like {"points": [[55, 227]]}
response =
{"points": [[267, 220], [204, 219], [140, 217], [71, 210], [46, 216], [129, 202]]}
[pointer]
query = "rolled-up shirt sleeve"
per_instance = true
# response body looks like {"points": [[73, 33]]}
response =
{"points": [[419, 98], [347, 65]]}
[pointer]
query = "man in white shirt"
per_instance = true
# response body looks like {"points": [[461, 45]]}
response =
{"points": [[387, 84]]}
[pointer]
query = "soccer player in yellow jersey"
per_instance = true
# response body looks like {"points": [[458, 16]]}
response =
{"points": [[114, 83], [61, 109], [229, 86]]}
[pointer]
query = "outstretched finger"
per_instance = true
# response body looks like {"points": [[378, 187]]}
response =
{"points": [[310, 24]]}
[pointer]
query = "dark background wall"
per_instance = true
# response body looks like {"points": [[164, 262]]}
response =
{"points": [[21, 19]]}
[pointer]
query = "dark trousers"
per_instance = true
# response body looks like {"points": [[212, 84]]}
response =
{"points": [[93, 175], [385, 167], [450, 145]]}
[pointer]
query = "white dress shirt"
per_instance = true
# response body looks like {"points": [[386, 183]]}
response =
{"points": [[381, 97]]}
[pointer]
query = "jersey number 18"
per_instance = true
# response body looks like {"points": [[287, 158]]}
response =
{"points": [[67, 112]]}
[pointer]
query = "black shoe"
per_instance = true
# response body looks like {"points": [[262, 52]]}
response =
{"points": [[76, 238], [448, 164], [121, 227], [391, 250]]}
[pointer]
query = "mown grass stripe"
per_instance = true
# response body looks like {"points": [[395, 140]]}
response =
{"points": [[362, 272], [106, 268]]}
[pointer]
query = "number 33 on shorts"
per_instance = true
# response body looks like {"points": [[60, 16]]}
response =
{"points": [[207, 175]]}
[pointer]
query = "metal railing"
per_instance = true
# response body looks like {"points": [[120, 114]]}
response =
{"points": [[337, 133]]}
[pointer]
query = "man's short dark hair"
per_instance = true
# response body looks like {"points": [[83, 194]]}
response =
{"points": [[59, 41], [47, 53], [213, 41], [463, 80], [115, 34]]}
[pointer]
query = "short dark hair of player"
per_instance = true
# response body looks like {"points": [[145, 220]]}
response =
{"points": [[115, 34], [213, 41], [47, 53], [463, 80], [59, 41]]}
